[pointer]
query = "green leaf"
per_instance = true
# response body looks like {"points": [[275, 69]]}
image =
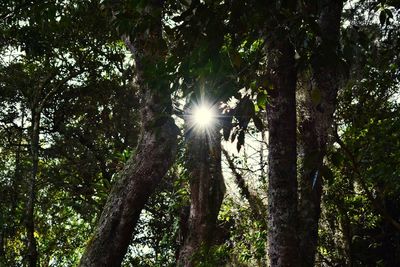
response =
{"points": [[262, 100], [236, 60]]}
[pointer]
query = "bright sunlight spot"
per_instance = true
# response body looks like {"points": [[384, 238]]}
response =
{"points": [[203, 116]]}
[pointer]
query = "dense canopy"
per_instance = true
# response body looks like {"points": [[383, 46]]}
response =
{"points": [[199, 133]]}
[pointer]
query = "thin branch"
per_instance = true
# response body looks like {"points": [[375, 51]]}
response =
{"points": [[57, 87], [254, 202], [129, 44], [244, 190]]}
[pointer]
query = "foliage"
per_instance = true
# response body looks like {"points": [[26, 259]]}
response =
{"points": [[363, 197], [67, 57], [81, 78]]}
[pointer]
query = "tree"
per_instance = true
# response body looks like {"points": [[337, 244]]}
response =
{"points": [[78, 123], [42, 73], [206, 188], [281, 117], [155, 152], [362, 161], [317, 103]]}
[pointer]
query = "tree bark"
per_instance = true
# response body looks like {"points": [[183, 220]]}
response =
{"points": [[32, 253], [155, 154], [134, 185], [207, 188], [317, 104], [282, 182], [29, 220]]}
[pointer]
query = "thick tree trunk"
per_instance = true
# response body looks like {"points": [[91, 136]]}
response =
{"points": [[155, 154], [134, 185], [282, 182], [207, 188], [317, 105]]}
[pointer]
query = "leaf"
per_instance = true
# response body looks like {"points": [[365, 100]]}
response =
{"points": [[327, 173], [382, 17], [227, 127], [336, 158], [258, 123], [244, 112], [262, 100], [236, 60], [233, 136], [240, 141]]}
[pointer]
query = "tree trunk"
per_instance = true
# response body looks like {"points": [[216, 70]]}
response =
{"points": [[155, 154], [282, 182], [203, 150], [32, 255], [310, 189], [134, 185], [317, 105]]}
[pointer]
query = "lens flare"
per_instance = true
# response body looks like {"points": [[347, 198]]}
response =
{"points": [[203, 116]]}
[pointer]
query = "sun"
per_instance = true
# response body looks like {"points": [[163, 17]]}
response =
{"points": [[203, 116]]}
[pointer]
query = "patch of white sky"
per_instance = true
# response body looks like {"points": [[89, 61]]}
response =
{"points": [[11, 54], [369, 16]]}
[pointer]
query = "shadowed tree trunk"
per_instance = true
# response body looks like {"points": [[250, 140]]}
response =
{"points": [[282, 182], [36, 108], [155, 154], [317, 102], [134, 185], [30, 205], [207, 188]]}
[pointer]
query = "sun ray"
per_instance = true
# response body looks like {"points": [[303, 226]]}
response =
{"points": [[202, 119], [203, 116]]}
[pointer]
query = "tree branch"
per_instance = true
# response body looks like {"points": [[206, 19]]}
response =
{"points": [[57, 87], [254, 202]]}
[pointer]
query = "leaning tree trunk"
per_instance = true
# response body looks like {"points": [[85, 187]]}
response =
{"points": [[317, 105], [256, 205], [155, 154], [282, 182], [207, 188]]}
